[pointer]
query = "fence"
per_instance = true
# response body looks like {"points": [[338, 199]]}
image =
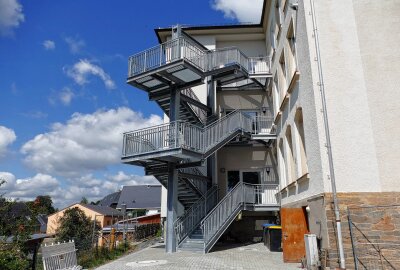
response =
{"points": [[375, 236]]}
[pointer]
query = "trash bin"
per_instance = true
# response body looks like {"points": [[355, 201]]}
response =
{"points": [[265, 232], [274, 238]]}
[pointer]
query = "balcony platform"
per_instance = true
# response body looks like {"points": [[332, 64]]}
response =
{"points": [[180, 74], [166, 155]]}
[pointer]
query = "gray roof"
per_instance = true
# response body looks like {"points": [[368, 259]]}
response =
{"points": [[110, 199], [140, 197], [104, 210]]}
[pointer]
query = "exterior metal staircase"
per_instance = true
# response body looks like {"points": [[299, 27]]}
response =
{"points": [[177, 65], [176, 141], [192, 184], [242, 197], [192, 110], [182, 62]]}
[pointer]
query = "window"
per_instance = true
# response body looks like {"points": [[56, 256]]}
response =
{"points": [[233, 179], [282, 76], [291, 50], [300, 149], [282, 164], [275, 95], [278, 21], [291, 173]]}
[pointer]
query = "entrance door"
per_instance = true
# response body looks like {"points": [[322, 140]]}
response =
{"points": [[251, 177], [294, 226]]}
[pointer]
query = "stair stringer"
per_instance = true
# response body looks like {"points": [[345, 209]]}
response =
{"points": [[222, 229]]}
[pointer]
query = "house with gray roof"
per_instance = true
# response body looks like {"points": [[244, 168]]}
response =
{"points": [[140, 197], [111, 200]]}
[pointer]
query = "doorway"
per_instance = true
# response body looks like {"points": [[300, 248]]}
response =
{"points": [[245, 176]]}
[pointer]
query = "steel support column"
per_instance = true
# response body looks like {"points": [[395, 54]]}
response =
{"points": [[172, 207], [172, 187], [212, 103]]}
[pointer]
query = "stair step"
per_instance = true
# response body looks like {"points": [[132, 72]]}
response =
{"points": [[194, 240], [193, 245]]}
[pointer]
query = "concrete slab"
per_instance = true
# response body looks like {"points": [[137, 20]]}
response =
{"points": [[253, 256]]}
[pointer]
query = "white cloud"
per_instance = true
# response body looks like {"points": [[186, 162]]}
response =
{"points": [[66, 96], [11, 16], [7, 137], [49, 45], [71, 191], [243, 10], [85, 143], [75, 44], [80, 71], [28, 188]]}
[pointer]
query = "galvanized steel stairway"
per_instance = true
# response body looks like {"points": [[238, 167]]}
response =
{"points": [[242, 197], [179, 140], [183, 62], [192, 184]]}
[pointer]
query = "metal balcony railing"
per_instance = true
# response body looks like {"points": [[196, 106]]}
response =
{"points": [[214, 224], [185, 135], [185, 224], [205, 61], [167, 52]]}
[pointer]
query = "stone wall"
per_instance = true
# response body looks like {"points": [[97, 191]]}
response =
{"points": [[375, 218]]}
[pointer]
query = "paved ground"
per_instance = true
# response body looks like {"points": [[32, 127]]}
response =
{"points": [[254, 256]]}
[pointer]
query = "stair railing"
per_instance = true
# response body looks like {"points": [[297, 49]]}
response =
{"points": [[217, 220], [179, 134], [185, 224], [187, 49]]}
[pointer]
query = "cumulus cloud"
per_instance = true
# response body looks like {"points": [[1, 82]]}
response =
{"points": [[243, 10], [7, 137], [85, 143], [49, 45], [81, 70], [11, 16], [28, 188], [75, 44], [71, 191]]}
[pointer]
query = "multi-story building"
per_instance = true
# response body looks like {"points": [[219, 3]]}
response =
{"points": [[296, 114]]}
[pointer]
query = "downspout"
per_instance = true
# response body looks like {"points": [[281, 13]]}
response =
{"points": [[342, 262]]}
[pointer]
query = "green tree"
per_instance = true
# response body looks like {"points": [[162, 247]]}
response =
{"points": [[12, 255], [42, 205], [75, 225], [84, 200]]}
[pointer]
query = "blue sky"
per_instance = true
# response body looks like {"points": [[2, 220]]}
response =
{"points": [[63, 98]]}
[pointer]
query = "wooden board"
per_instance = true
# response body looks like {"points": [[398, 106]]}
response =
{"points": [[294, 226]]}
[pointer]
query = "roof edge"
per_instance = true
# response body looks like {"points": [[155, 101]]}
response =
{"points": [[232, 26]]}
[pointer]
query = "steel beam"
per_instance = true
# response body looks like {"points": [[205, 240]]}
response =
{"points": [[172, 208]]}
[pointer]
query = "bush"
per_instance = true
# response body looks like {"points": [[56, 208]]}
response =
{"points": [[12, 257]]}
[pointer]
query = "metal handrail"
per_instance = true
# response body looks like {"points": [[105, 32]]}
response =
{"points": [[242, 194], [184, 48], [179, 134], [185, 224]]}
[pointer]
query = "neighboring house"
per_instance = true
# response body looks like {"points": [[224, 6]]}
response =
{"points": [[20, 211], [111, 200], [269, 114], [105, 215], [140, 198]]}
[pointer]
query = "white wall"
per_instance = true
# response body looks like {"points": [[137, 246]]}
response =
{"points": [[377, 25]]}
